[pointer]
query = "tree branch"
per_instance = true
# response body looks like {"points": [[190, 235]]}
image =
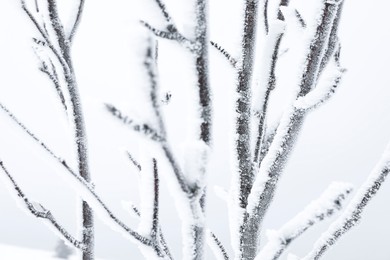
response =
{"points": [[216, 246], [268, 82], [353, 213], [40, 211], [134, 161], [144, 129], [76, 21], [84, 187], [171, 35], [53, 76], [226, 54], [324, 207], [324, 91]]}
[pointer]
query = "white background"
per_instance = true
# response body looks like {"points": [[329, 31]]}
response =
{"points": [[340, 141]]}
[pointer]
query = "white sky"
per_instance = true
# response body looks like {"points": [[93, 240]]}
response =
{"points": [[341, 141]]}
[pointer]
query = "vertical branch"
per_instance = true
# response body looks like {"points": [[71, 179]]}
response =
{"points": [[62, 53], [271, 57], [202, 59], [264, 186], [76, 21], [243, 103], [156, 190], [41, 212], [243, 180]]}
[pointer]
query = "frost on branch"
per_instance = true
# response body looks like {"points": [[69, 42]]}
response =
{"points": [[353, 213], [328, 83], [216, 246], [326, 206], [142, 128], [40, 211]]}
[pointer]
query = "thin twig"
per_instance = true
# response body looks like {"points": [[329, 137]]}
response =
{"points": [[40, 211], [156, 194], [145, 129], [134, 161], [353, 213], [229, 57], [80, 180], [217, 247], [77, 20], [164, 11], [330, 202]]}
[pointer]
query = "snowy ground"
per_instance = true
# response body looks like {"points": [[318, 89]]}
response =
{"points": [[8, 252]]}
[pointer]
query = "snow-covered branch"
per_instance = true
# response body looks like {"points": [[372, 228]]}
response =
{"points": [[134, 161], [40, 211], [84, 188], [327, 85], [48, 68], [142, 128], [353, 213], [76, 20], [292, 120], [216, 246], [267, 82], [171, 32], [225, 53], [170, 35], [53, 33], [160, 239], [324, 207]]}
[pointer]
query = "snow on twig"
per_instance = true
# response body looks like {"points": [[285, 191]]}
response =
{"points": [[326, 206], [84, 188], [76, 20], [327, 85], [151, 71], [170, 35], [267, 81], [225, 53], [353, 213], [134, 211], [40, 211], [272, 165], [216, 246], [150, 200], [47, 67], [142, 128], [134, 161]]}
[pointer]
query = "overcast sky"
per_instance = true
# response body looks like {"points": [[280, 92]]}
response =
{"points": [[341, 141]]}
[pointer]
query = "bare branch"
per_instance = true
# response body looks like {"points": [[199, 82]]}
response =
{"points": [[216, 246], [324, 207], [219, 48], [40, 211]]}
